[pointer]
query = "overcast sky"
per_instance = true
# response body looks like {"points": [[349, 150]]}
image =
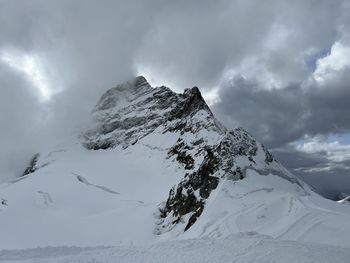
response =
{"points": [[280, 69]]}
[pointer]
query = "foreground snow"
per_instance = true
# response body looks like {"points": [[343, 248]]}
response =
{"points": [[91, 198], [248, 247]]}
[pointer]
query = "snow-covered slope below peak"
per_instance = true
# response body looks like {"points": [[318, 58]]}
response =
{"points": [[156, 165], [87, 198], [243, 248], [272, 206]]}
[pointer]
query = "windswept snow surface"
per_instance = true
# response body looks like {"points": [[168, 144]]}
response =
{"points": [[246, 248]]}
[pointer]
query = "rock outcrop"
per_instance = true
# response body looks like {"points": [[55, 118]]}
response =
{"points": [[32, 167]]}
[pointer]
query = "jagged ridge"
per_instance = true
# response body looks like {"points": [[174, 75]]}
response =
{"points": [[131, 111]]}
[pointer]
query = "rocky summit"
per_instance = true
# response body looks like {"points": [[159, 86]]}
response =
{"points": [[131, 111]]}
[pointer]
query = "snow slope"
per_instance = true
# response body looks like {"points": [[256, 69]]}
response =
{"points": [[156, 171], [272, 206], [244, 248], [86, 198]]}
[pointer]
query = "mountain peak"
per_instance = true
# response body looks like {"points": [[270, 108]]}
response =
{"points": [[112, 97], [134, 83], [132, 110], [140, 81], [207, 151]]}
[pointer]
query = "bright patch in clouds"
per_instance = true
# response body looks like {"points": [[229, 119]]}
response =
{"points": [[254, 68], [32, 68], [336, 152], [329, 66], [157, 79]]}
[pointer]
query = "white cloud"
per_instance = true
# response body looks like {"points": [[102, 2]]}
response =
{"points": [[335, 151], [336, 61], [32, 68]]}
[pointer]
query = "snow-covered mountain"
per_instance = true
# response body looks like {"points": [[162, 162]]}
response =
{"points": [[196, 142], [156, 166]]}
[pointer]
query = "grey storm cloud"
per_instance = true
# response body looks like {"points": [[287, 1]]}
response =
{"points": [[19, 107], [326, 177], [20, 115], [281, 116], [86, 47]]}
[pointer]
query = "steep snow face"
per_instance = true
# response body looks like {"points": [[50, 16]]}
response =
{"points": [[156, 165]]}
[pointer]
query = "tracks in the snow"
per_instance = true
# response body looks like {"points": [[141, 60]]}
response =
{"points": [[83, 180]]}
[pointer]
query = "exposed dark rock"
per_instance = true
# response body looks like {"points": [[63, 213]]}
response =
{"points": [[4, 202], [193, 101], [32, 167], [268, 155], [183, 199], [180, 151]]}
